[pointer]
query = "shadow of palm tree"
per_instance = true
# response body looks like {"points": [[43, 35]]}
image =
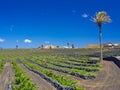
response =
{"points": [[113, 59]]}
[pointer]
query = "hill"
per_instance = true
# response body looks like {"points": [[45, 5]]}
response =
{"points": [[92, 46]]}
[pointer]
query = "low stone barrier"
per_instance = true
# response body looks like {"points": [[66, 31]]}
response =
{"points": [[65, 71], [79, 68]]}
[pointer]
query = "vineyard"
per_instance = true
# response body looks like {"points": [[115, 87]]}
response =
{"points": [[60, 69]]}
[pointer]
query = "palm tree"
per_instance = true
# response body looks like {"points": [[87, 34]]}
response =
{"points": [[100, 18], [42, 46], [16, 46], [73, 46], [68, 44]]}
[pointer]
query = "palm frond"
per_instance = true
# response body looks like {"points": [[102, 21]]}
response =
{"points": [[101, 17]]}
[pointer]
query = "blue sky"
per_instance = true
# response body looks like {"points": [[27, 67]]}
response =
{"points": [[31, 23]]}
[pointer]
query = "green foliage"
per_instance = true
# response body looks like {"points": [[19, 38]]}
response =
{"points": [[65, 81], [78, 88], [2, 65], [50, 64], [22, 81]]}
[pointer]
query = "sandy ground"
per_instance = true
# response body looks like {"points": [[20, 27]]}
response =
{"points": [[118, 57], [107, 79], [4, 78]]}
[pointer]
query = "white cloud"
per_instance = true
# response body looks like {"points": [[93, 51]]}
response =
{"points": [[17, 40], [84, 15], [46, 42], [2, 40], [27, 41]]}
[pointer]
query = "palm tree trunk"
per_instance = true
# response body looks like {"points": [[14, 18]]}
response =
{"points": [[101, 53]]}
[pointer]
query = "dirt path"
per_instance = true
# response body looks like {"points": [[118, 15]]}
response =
{"points": [[40, 82], [107, 79], [6, 76], [118, 57]]}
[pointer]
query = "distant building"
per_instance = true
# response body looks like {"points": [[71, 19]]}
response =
{"points": [[111, 45], [108, 45], [66, 47], [49, 47]]}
